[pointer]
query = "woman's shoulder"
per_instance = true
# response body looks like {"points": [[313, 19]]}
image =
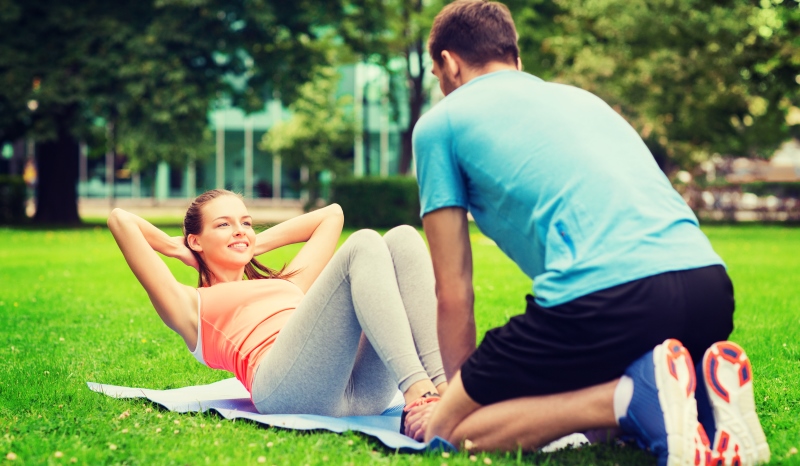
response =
{"points": [[267, 284]]}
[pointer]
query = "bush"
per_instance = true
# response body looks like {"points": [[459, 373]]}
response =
{"points": [[12, 199], [378, 202]]}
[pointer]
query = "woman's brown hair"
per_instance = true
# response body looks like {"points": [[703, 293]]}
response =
{"points": [[193, 225]]}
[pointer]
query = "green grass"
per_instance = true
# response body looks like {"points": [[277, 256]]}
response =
{"points": [[72, 312]]}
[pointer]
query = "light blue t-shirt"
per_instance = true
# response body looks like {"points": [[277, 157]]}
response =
{"points": [[560, 181]]}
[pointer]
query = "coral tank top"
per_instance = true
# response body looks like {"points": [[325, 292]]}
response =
{"points": [[240, 320]]}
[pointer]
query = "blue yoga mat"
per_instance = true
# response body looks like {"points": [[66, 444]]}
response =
{"points": [[231, 400]]}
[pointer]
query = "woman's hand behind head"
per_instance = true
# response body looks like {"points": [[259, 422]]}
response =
{"points": [[183, 253]]}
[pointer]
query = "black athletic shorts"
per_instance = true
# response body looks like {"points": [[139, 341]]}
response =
{"points": [[594, 338]]}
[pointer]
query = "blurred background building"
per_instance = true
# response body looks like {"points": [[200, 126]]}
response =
{"points": [[238, 162], [158, 101]]}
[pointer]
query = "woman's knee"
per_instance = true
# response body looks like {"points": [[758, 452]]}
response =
{"points": [[402, 231], [403, 235], [364, 239], [365, 235]]}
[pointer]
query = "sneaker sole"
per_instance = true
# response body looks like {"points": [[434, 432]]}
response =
{"points": [[676, 382], [727, 374]]}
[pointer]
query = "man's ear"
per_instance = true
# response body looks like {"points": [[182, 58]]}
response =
{"points": [[194, 245], [451, 63]]}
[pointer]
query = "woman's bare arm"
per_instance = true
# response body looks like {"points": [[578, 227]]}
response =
{"points": [[320, 230], [139, 240]]}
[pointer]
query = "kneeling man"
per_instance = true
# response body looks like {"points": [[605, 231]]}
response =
{"points": [[628, 293]]}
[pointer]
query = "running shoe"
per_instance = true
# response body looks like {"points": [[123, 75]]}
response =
{"points": [[662, 415], [727, 392]]}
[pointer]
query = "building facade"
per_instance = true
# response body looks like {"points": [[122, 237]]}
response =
{"points": [[237, 162]]}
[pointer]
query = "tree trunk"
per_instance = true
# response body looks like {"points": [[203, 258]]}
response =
{"points": [[416, 99], [57, 181]]}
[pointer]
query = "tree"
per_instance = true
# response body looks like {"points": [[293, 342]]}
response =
{"points": [[393, 34], [535, 21], [42, 93], [150, 70], [319, 134], [693, 77]]}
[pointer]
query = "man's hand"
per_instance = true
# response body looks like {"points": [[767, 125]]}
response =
{"points": [[417, 419]]}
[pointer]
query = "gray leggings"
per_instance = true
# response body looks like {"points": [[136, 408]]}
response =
{"points": [[366, 327]]}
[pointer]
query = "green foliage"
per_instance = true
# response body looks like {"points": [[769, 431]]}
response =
{"points": [[152, 68], [397, 42], [536, 22], [378, 202], [148, 72], [693, 77], [319, 134], [12, 199]]}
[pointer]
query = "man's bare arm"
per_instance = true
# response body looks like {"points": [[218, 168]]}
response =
{"points": [[447, 231]]}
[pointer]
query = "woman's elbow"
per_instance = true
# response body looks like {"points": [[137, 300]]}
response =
{"points": [[335, 210], [115, 218]]}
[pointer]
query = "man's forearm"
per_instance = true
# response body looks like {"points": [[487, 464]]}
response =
{"points": [[456, 332], [447, 230]]}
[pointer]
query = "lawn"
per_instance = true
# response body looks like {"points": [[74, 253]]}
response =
{"points": [[72, 312]]}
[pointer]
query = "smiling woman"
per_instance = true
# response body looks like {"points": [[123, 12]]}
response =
{"points": [[336, 335], [229, 224], [226, 237]]}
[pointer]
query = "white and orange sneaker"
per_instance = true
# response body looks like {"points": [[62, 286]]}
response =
{"points": [[726, 390], [662, 414]]}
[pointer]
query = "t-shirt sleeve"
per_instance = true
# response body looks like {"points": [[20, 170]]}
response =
{"points": [[441, 182]]}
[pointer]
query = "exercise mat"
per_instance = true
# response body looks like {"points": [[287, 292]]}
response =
{"points": [[231, 400]]}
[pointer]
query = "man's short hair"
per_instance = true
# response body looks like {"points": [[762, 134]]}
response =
{"points": [[479, 31]]}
